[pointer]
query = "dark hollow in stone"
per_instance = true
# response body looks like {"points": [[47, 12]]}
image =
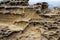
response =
{"points": [[59, 38], [58, 20], [46, 16], [35, 23], [55, 23], [53, 28]]}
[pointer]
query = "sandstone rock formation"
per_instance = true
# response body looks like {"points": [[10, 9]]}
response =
{"points": [[21, 21]]}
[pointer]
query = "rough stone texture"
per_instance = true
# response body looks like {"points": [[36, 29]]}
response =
{"points": [[24, 22]]}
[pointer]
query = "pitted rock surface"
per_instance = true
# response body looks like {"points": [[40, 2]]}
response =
{"points": [[21, 21]]}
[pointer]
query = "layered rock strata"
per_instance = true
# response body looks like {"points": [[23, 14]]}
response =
{"points": [[21, 21]]}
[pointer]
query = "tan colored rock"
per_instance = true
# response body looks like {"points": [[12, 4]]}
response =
{"points": [[20, 21]]}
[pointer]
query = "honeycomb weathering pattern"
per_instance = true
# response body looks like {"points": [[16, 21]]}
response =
{"points": [[21, 21]]}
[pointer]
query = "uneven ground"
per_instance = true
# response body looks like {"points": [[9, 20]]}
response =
{"points": [[32, 26]]}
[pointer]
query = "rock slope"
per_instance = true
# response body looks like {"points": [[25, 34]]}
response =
{"points": [[29, 22]]}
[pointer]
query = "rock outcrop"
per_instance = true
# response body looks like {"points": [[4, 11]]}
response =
{"points": [[21, 21]]}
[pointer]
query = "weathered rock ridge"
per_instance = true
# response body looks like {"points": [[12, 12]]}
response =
{"points": [[21, 21]]}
